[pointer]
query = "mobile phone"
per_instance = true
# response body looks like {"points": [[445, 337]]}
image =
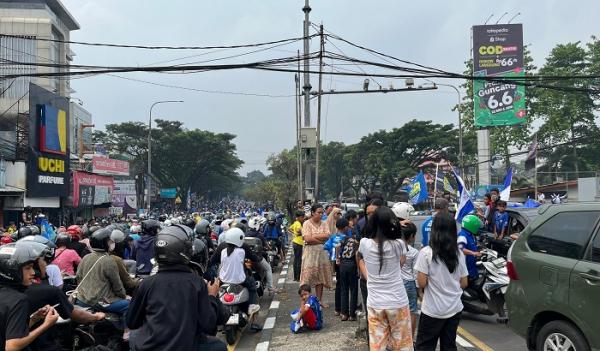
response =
{"points": [[54, 306]]}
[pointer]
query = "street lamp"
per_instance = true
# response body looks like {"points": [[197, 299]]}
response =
{"points": [[150, 147], [460, 127]]}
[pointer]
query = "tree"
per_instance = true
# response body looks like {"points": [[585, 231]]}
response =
{"points": [[332, 170], [283, 167]]}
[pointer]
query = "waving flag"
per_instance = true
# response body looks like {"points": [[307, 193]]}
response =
{"points": [[505, 193], [189, 199], [447, 186], [418, 191], [465, 206]]}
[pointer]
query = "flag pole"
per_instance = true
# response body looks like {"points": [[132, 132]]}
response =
{"points": [[435, 184], [535, 182]]}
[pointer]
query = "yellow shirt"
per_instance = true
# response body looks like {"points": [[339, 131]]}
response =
{"points": [[295, 229]]}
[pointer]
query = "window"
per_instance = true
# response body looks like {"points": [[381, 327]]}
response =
{"points": [[565, 234], [596, 248], [14, 49]]}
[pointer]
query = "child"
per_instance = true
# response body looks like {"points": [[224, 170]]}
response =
{"points": [[500, 220], [342, 226], [409, 231], [309, 315], [348, 278]]}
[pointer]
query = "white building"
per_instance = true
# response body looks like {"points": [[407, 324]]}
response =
{"points": [[79, 116]]}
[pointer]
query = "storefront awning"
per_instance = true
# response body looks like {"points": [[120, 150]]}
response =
{"points": [[11, 191]]}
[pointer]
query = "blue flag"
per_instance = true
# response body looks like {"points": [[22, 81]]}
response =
{"points": [[465, 205], [418, 191], [505, 193]]}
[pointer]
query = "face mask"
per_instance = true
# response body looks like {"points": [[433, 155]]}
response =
{"points": [[111, 247]]}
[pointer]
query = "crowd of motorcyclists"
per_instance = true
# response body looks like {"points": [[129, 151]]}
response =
{"points": [[74, 289]]}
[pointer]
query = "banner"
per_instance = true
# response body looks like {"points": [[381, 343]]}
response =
{"points": [[48, 159], [124, 195], [108, 166], [498, 52], [91, 189], [168, 193], [418, 191]]}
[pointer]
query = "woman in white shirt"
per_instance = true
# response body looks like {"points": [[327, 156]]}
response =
{"points": [[380, 260], [442, 272]]}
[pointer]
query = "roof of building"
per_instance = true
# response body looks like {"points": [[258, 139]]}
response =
{"points": [[56, 6]]}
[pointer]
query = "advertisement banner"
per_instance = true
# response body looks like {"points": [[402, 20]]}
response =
{"points": [[91, 189], [108, 166], [498, 52], [48, 159], [124, 195], [168, 193]]}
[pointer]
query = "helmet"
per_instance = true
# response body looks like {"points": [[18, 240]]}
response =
{"points": [[226, 223], [23, 232], [234, 236], [150, 226], [471, 223], [241, 225], [117, 236], [202, 228], [173, 245], [16, 255], [254, 223], [402, 210], [162, 218], [50, 245], [75, 232], [190, 222], [5, 240], [167, 223], [63, 239], [35, 230], [91, 230], [271, 217], [99, 239]]}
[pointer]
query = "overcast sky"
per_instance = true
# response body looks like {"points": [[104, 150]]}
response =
{"points": [[434, 33]]}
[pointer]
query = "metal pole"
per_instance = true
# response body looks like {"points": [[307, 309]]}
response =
{"points": [[307, 87], [319, 98], [299, 124], [298, 162]]}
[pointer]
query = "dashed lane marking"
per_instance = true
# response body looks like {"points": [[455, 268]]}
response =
{"points": [[462, 342], [281, 281], [284, 272], [274, 305], [269, 323], [263, 346], [473, 340]]}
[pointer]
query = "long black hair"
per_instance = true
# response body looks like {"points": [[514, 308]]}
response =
{"points": [[372, 199], [383, 226], [443, 240]]}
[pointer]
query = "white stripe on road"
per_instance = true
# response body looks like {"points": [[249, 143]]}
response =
{"points": [[263, 346], [462, 342], [281, 281], [274, 305], [269, 323], [284, 272], [285, 267]]}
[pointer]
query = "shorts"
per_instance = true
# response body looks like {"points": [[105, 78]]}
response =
{"points": [[308, 321], [411, 292]]}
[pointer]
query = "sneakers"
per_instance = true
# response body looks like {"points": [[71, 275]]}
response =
{"points": [[253, 308]]}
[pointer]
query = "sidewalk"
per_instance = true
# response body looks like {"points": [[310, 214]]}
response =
{"points": [[335, 335]]}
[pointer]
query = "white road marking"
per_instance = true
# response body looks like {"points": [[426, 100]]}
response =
{"points": [[269, 323], [274, 305], [285, 267], [263, 346], [462, 342], [281, 281], [284, 272]]}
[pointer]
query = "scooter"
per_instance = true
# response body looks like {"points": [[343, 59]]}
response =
{"points": [[485, 296], [273, 255], [235, 297], [259, 276]]}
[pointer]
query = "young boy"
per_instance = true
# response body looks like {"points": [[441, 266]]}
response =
{"points": [[409, 232], [348, 276], [500, 220], [309, 315]]}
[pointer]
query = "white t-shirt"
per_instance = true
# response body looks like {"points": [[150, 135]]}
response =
{"points": [[386, 288], [232, 266], [443, 291], [54, 275], [408, 269]]}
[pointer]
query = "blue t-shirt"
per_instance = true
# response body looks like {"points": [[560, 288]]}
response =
{"points": [[331, 244], [500, 221], [425, 230], [466, 240], [315, 306]]}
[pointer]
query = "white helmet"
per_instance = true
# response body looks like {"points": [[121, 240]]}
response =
{"points": [[117, 236], [234, 236], [254, 223], [402, 210], [167, 223], [226, 224]]}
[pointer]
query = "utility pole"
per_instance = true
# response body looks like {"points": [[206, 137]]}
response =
{"points": [[307, 87], [298, 151], [319, 98]]}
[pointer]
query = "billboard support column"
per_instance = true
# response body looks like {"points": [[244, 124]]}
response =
{"points": [[483, 156]]}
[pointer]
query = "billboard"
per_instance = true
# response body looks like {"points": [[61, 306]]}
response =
{"points": [[91, 189], [108, 166], [124, 195], [168, 193], [498, 52], [48, 159]]}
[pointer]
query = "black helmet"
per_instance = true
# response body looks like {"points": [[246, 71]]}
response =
{"points": [[162, 218], [91, 230], [190, 222], [23, 232], [99, 239], [173, 245], [150, 227], [202, 228], [63, 239], [16, 255]]}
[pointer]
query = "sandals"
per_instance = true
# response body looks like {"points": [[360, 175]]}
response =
{"points": [[344, 318]]}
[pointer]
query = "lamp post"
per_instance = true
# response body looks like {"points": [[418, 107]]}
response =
{"points": [[148, 187]]}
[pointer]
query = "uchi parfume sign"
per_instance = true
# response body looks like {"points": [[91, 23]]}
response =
{"points": [[498, 52]]}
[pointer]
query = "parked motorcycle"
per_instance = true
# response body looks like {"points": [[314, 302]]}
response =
{"points": [[486, 295]]}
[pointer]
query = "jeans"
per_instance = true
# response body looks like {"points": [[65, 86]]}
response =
{"points": [[297, 261], [363, 293], [212, 344], [119, 307], [265, 267], [348, 280], [431, 329], [411, 293]]}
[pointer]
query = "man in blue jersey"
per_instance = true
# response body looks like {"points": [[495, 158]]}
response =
{"points": [[440, 206]]}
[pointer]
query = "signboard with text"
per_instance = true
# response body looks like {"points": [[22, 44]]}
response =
{"points": [[168, 193], [124, 195], [91, 189], [48, 156], [109, 166], [498, 53]]}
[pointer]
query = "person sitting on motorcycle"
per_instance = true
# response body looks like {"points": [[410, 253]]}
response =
{"points": [[265, 267], [272, 231], [66, 259], [159, 319], [98, 277], [468, 244], [202, 230], [231, 255], [118, 237], [144, 248], [17, 262], [46, 272], [76, 233]]}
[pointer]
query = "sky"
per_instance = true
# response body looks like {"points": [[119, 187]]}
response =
{"points": [[433, 33]]}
